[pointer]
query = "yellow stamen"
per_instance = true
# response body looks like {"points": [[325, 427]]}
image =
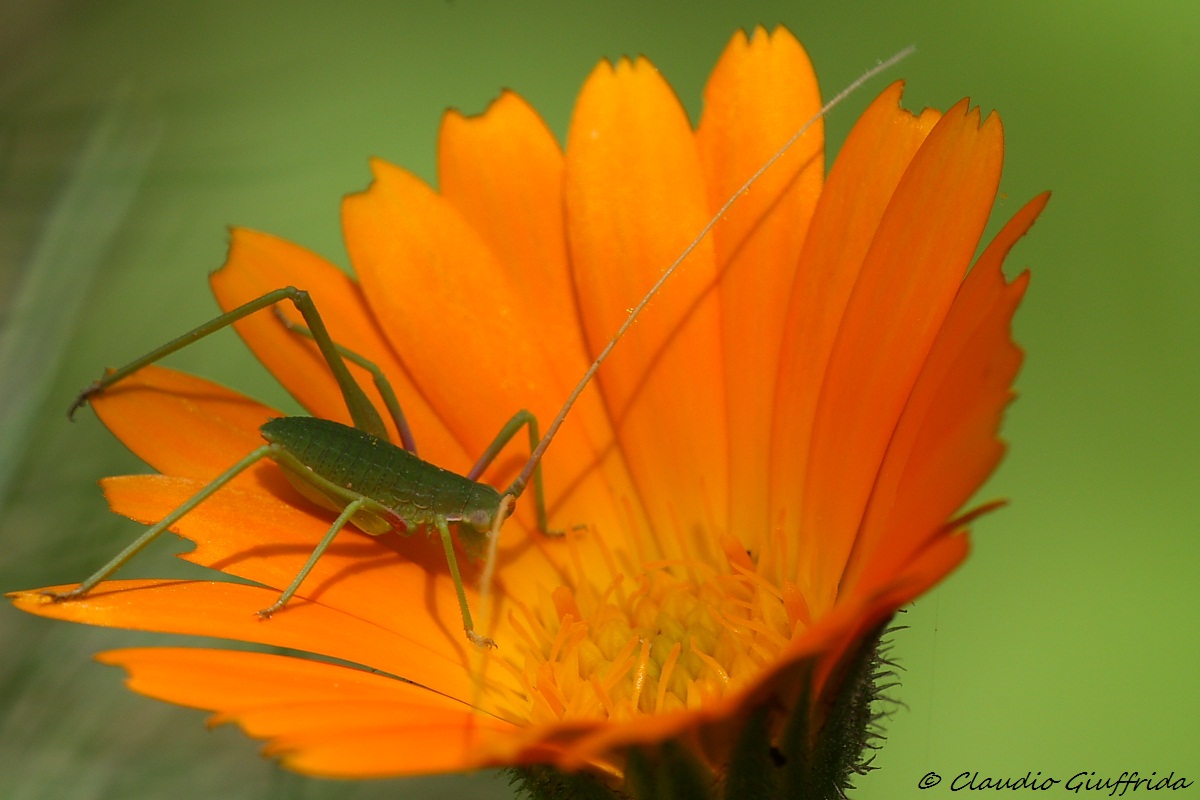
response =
{"points": [[711, 662], [668, 672], [690, 630], [639, 675]]}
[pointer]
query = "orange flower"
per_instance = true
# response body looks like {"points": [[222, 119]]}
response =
{"points": [[765, 470]]}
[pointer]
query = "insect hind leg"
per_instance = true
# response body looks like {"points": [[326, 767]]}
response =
{"points": [[365, 417]]}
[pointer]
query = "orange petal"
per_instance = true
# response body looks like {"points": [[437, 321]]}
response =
{"points": [[503, 172], [229, 611], [321, 719], [760, 94], [635, 198], [945, 445], [424, 271], [259, 263], [184, 425], [860, 615], [916, 263], [266, 538], [869, 166], [442, 300]]}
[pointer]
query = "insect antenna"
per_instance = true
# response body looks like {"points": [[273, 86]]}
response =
{"points": [[535, 457]]}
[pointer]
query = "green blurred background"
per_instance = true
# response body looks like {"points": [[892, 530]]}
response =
{"points": [[133, 133]]}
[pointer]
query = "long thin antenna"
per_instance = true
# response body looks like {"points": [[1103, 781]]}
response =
{"points": [[518, 485]]}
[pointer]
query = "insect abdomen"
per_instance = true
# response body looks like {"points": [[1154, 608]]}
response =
{"points": [[415, 489]]}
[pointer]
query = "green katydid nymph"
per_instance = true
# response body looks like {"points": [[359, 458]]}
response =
{"points": [[357, 473]]}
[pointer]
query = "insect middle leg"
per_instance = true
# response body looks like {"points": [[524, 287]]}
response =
{"points": [[381, 382], [343, 519], [153, 531]]}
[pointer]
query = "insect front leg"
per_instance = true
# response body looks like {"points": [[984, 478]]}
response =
{"points": [[506, 433], [443, 529]]}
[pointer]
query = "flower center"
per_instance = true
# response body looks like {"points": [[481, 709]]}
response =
{"points": [[659, 637]]}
